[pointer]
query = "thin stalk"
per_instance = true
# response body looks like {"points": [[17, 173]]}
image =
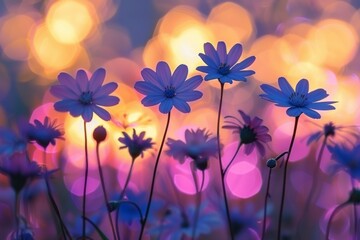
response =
{"points": [[121, 197], [284, 178], [233, 158], [198, 202], [104, 189], [64, 229], [153, 179], [85, 183], [337, 209], [222, 174], [355, 213], [17, 215], [265, 205]]}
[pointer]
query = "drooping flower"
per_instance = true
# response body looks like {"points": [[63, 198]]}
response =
{"points": [[160, 87], [297, 101], [198, 146], [44, 133], [19, 170], [347, 158], [83, 97], [251, 132], [222, 65], [136, 145]]}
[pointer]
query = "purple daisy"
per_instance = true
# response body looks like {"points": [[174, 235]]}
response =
{"points": [[81, 96], [198, 146], [299, 100], [44, 133], [251, 132], [222, 65], [136, 145], [168, 90]]}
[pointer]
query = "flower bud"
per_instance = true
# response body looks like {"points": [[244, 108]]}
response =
{"points": [[271, 163], [99, 134]]}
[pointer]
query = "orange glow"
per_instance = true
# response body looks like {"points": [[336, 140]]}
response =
{"points": [[71, 21]]}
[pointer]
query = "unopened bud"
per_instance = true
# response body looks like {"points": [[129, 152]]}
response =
{"points": [[271, 163], [99, 134]]}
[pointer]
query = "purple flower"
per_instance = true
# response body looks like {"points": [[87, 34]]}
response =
{"points": [[347, 158], [222, 65], [297, 101], [168, 90], [136, 145], [19, 169], [198, 146], [251, 132], [44, 133], [81, 96]]}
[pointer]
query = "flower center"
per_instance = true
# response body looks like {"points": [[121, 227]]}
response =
{"points": [[86, 98], [298, 100], [329, 129], [247, 135], [170, 92], [224, 69]]}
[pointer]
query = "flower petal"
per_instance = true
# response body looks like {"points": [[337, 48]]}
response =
{"points": [[234, 54], [321, 106], [179, 75], [150, 76], [105, 90], [107, 101], [208, 61], [311, 113], [147, 88], [164, 73], [68, 81], [221, 49], [302, 87], [64, 105], [285, 86], [97, 79], [63, 92], [212, 53], [190, 84], [87, 114], [294, 112], [102, 113], [152, 100], [317, 95], [189, 96], [243, 64], [82, 80], [240, 76], [181, 105], [166, 105]]}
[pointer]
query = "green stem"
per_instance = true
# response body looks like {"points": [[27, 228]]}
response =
{"points": [[85, 183], [337, 209], [104, 189], [222, 174], [284, 178], [153, 179]]}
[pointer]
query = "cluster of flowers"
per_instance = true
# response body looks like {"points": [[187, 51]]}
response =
{"points": [[81, 96]]}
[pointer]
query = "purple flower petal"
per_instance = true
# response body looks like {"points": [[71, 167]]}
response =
{"points": [[62, 91], [102, 113], [243, 64], [105, 90], [234, 54], [181, 105], [190, 84], [166, 105], [221, 49], [82, 81], [293, 112], [163, 71], [150, 76], [212, 53], [97, 79], [107, 101], [179, 75], [68, 81], [285, 86], [302, 87], [87, 114]]}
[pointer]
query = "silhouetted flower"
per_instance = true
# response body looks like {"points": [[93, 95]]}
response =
{"points": [[222, 65], [198, 146], [298, 101], [251, 132], [136, 145], [347, 158], [179, 222], [44, 133], [168, 90], [19, 169], [82, 97]]}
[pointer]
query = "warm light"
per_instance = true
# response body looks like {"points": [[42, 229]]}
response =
{"points": [[71, 21]]}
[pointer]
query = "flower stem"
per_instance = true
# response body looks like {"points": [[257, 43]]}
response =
{"points": [[284, 178], [198, 201], [337, 209], [265, 205], [143, 223], [121, 197], [104, 189], [355, 213], [17, 216], [235, 154], [85, 183], [222, 173]]}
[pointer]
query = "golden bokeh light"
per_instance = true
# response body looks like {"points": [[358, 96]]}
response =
{"points": [[71, 21]]}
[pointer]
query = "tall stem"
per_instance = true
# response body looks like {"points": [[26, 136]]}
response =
{"points": [[233, 158], [198, 201], [153, 178], [284, 178], [222, 174], [355, 213], [337, 209], [121, 197], [85, 183], [17, 215], [104, 189], [265, 205]]}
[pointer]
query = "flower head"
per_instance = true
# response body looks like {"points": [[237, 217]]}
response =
{"points": [[99, 134], [347, 158], [136, 145], [83, 97], [297, 101], [198, 146], [222, 65], [19, 169], [44, 133], [168, 90], [251, 132]]}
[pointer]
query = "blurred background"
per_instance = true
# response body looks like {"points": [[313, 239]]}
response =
{"points": [[313, 39]]}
